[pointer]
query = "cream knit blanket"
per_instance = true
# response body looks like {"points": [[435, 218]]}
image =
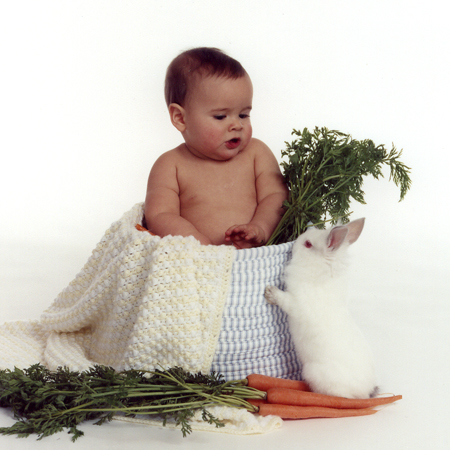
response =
{"points": [[139, 302]]}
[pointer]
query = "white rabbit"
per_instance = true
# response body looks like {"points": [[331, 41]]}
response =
{"points": [[335, 357]]}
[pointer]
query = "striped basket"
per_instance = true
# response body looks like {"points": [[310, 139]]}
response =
{"points": [[254, 337]]}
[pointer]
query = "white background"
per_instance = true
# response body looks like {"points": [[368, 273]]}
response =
{"points": [[82, 119]]}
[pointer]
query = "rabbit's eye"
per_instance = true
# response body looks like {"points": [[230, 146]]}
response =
{"points": [[308, 244]]}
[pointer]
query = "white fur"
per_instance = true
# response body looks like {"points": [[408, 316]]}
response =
{"points": [[335, 357]]}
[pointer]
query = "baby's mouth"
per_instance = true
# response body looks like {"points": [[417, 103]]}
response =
{"points": [[233, 143]]}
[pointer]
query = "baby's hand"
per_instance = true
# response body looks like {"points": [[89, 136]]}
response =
{"points": [[245, 236]]}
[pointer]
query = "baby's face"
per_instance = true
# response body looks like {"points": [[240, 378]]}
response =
{"points": [[217, 117]]}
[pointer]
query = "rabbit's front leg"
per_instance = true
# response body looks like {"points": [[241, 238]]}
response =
{"points": [[278, 297]]}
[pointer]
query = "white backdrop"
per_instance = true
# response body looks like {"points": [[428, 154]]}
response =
{"points": [[82, 118]]}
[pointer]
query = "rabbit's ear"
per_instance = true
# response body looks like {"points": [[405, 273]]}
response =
{"points": [[354, 229], [336, 237]]}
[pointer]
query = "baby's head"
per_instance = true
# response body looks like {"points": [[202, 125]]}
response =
{"points": [[191, 66], [209, 96]]}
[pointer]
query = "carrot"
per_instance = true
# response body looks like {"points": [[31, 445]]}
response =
{"points": [[264, 383], [139, 227], [300, 398], [256, 401], [310, 412]]}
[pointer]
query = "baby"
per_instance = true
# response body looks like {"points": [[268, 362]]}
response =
{"points": [[221, 185]]}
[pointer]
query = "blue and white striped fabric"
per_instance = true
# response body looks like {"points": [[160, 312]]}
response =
{"points": [[254, 337]]}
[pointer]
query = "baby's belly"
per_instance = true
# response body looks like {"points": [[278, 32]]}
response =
{"points": [[213, 221]]}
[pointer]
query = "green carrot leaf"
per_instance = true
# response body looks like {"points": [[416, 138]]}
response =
{"points": [[324, 171]]}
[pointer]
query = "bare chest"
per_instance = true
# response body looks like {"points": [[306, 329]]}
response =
{"points": [[218, 182]]}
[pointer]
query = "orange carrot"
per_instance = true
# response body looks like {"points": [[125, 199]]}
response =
{"points": [[264, 383], [310, 412], [139, 227], [300, 398], [256, 401]]}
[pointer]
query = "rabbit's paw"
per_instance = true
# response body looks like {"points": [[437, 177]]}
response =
{"points": [[271, 294]]}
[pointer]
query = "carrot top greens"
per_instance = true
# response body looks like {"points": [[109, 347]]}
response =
{"points": [[324, 170], [46, 402]]}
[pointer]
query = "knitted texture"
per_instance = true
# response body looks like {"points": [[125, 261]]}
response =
{"points": [[139, 302]]}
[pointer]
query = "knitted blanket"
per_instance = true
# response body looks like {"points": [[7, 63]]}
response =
{"points": [[139, 302]]}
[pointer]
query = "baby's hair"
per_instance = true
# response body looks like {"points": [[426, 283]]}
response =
{"points": [[203, 61]]}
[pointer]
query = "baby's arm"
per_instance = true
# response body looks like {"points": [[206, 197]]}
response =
{"points": [[271, 193], [162, 203]]}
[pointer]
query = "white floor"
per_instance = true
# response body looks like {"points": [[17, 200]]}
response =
{"points": [[403, 309]]}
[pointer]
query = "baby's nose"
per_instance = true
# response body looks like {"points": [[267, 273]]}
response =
{"points": [[237, 124]]}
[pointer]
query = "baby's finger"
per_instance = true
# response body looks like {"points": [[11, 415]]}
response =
{"points": [[233, 230]]}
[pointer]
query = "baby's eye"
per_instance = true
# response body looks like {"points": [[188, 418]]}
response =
{"points": [[244, 116], [220, 117]]}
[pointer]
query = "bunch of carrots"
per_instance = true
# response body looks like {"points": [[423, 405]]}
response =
{"points": [[291, 399]]}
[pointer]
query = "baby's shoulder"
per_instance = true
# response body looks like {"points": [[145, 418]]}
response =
{"points": [[258, 149], [165, 165], [170, 158], [257, 144], [264, 159], [171, 155]]}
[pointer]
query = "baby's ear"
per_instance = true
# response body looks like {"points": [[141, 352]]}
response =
{"points": [[177, 116]]}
